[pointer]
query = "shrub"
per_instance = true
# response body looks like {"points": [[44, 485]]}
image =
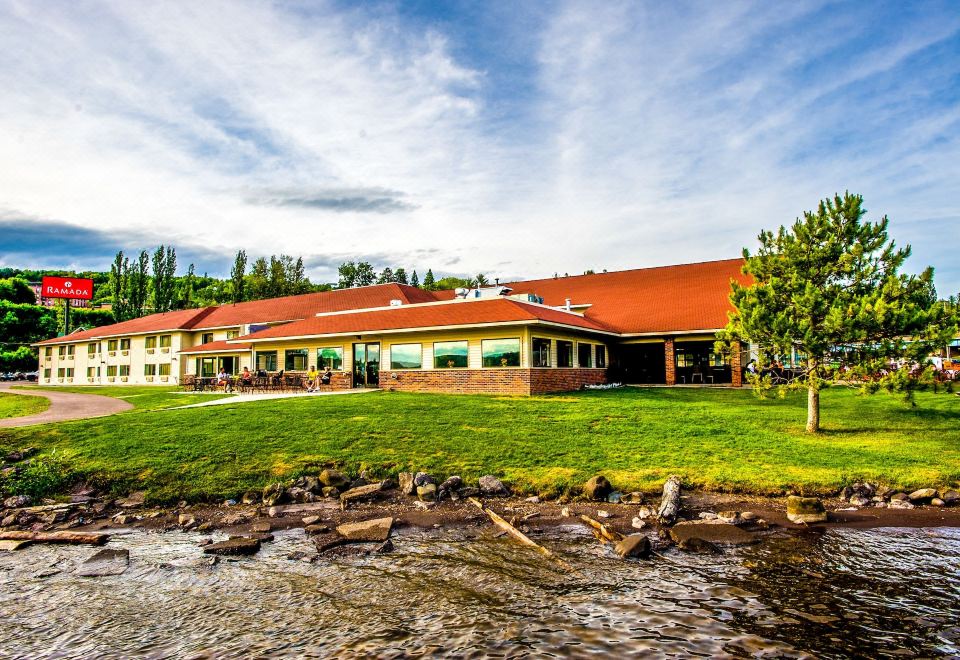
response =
{"points": [[41, 477]]}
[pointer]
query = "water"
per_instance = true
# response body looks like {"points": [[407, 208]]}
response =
{"points": [[466, 593]]}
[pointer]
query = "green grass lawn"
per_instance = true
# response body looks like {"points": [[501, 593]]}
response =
{"points": [[14, 405], [142, 397], [716, 439]]}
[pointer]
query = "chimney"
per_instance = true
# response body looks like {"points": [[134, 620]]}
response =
{"points": [[567, 305]]}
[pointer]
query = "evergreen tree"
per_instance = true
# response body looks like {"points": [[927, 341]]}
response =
{"points": [[415, 280], [237, 275], [164, 268], [386, 276], [829, 289], [428, 281], [138, 285], [186, 288], [277, 282], [119, 273], [169, 278], [296, 277], [400, 276]]}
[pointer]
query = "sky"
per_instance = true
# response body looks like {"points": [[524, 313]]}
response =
{"points": [[514, 139]]}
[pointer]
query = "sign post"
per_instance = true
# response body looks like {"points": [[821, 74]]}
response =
{"points": [[67, 288]]}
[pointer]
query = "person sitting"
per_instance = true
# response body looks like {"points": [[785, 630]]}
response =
{"points": [[223, 380], [313, 377], [325, 378], [246, 378]]}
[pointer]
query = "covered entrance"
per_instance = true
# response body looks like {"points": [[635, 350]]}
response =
{"points": [[697, 364], [366, 365], [640, 364], [208, 367]]}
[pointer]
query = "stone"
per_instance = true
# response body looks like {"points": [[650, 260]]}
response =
{"points": [[936, 501], [229, 503], [532, 500], [899, 497], [614, 497], [923, 495], [950, 498], [330, 491], [805, 510], [407, 487], [469, 491], [133, 500], [360, 493], [748, 516], [334, 479], [597, 488], [9, 520], [384, 548], [298, 509], [315, 529], [251, 497], [311, 484], [263, 537], [300, 555], [427, 492], [638, 523], [708, 515], [490, 486], [186, 520], [310, 520], [16, 502], [646, 512], [424, 506], [125, 519], [376, 530], [900, 504], [716, 533], [422, 479], [235, 519], [10, 546], [699, 545], [731, 517], [261, 526], [859, 500], [635, 545], [565, 512], [274, 494], [234, 546], [635, 497], [105, 562], [603, 514], [450, 486], [299, 495]]}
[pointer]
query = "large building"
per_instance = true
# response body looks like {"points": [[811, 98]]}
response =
{"points": [[650, 325]]}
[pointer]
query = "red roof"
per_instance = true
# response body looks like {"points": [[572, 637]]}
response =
{"points": [[648, 300], [221, 346], [153, 323], [466, 313]]}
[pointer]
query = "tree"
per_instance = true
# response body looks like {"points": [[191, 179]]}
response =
{"points": [[297, 278], [186, 288], [452, 282], [829, 289], [386, 276], [277, 281], [17, 290], [400, 276], [480, 280], [415, 280], [119, 273], [428, 281], [237, 274], [138, 285], [164, 269], [259, 280], [347, 273]]}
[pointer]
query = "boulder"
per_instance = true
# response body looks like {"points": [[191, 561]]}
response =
{"points": [[900, 504], [638, 523], [427, 492], [597, 488], [535, 499], [805, 510], [407, 487], [950, 498], [105, 562], [449, 487], [236, 545], [316, 528], [133, 500], [923, 495], [251, 497], [715, 532], [360, 494], [936, 501], [422, 479], [334, 479], [635, 545], [186, 520], [16, 502], [311, 484], [636, 497], [368, 531], [469, 491], [699, 545], [859, 500], [646, 512], [261, 526], [310, 520], [732, 517], [299, 495], [330, 491], [274, 494], [899, 497], [490, 486]]}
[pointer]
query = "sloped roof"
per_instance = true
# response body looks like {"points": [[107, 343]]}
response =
{"points": [[220, 346], [664, 299], [451, 314], [153, 323]]}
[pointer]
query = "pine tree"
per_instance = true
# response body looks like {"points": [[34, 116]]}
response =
{"points": [[428, 281], [415, 280], [238, 275], [186, 288], [277, 281], [298, 278], [829, 289], [386, 276]]}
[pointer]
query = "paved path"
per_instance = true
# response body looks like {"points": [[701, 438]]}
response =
{"points": [[247, 398], [64, 406]]}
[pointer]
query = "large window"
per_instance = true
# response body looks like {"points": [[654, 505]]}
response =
{"points": [[330, 358], [111, 370], [111, 344], [46, 373], [61, 372], [564, 354], [164, 369], [91, 372], [500, 352], [233, 334], [61, 351], [149, 370], [541, 352], [91, 349], [584, 355], [266, 360], [206, 367], [165, 341], [450, 355], [406, 356], [124, 369], [601, 357], [48, 352], [125, 344], [150, 342], [295, 359], [206, 338]]}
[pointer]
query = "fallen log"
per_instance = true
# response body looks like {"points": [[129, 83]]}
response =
{"points": [[602, 530], [670, 503], [516, 534], [73, 538]]}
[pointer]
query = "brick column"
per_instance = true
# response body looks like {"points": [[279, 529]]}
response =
{"points": [[670, 361], [736, 371]]}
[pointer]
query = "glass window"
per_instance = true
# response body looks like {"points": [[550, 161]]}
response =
{"points": [[46, 373], [69, 372], [232, 334], [685, 359], [500, 352], [111, 370], [150, 342], [61, 351], [124, 369], [406, 356], [601, 357], [91, 372], [165, 341], [564, 354], [718, 360], [163, 369], [584, 355], [541, 352], [91, 349], [111, 344], [60, 372], [125, 344], [295, 359], [330, 358], [71, 349], [149, 370], [48, 352], [266, 360], [206, 367], [206, 338], [450, 355]]}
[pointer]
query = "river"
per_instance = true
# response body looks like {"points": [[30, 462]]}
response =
{"points": [[867, 593]]}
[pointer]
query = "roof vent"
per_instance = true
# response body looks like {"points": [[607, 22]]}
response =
{"points": [[396, 302], [566, 304], [461, 292]]}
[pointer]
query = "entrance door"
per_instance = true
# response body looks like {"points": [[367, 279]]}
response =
{"points": [[228, 364], [366, 365]]}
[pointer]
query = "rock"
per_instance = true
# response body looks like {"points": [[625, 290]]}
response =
{"points": [[469, 491], [597, 488], [532, 500], [864, 490], [638, 523], [133, 500], [205, 526], [105, 562], [384, 548], [614, 497], [450, 486], [334, 479], [923, 495], [310, 520], [603, 514], [229, 503], [748, 516], [646, 512], [356, 483], [951, 498], [330, 491], [427, 492], [805, 510], [16, 502], [250, 497], [407, 487], [900, 504], [936, 501], [708, 515], [263, 537], [490, 486], [717, 533], [204, 542], [9, 520], [859, 500], [703, 546], [261, 526], [422, 479], [635, 545], [376, 530], [186, 520], [636, 497], [298, 509], [315, 529], [731, 517], [236, 545], [311, 484], [424, 506], [235, 519], [846, 493], [125, 519], [899, 497], [299, 495], [360, 493], [565, 512], [274, 494], [300, 555], [11, 546]]}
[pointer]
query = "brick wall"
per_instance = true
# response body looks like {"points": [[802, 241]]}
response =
{"points": [[736, 370], [564, 380], [671, 361], [518, 382]]}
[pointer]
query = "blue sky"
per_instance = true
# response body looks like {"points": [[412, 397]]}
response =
{"points": [[514, 139]]}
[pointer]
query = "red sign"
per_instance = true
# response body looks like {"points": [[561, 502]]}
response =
{"points": [[67, 287]]}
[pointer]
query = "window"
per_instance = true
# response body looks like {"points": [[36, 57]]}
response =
{"points": [[91, 349], [541, 352], [150, 342], [685, 359], [111, 344], [719, 360], [584, 355], [165, 341], [206, 367], [232, 334], [330, 358], [450, 355], [111, 371], [124, 369], [206, 338], [266, 361], [46, 373], [125, 344], [61, 351], [69, 372], [295, 359], [163, 369], [500, 352], [149, 370], [48, 351], [91, 372], [564, 354], [61, 372], [601, 357], [406, 356]]}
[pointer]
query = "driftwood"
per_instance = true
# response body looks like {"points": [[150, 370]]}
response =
{"points": [[670, 504], [602, 532], [73, 538], [516, 534]]}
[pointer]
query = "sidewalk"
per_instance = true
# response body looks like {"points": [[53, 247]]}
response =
{"points": [[247, 398], [64, 406]]}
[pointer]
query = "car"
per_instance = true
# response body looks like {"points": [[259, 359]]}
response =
{"points": [[32, 376], [7, 376], [20, 376]]}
